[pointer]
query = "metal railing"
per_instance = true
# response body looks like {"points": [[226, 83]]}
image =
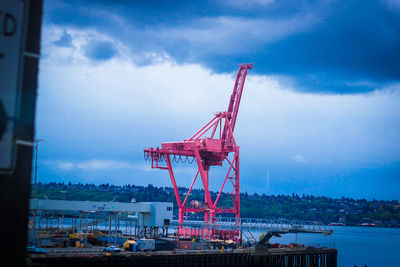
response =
{"points": [[265, 225]]}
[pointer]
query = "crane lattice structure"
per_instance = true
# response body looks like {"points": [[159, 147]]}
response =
{"points": [[213, 145]]}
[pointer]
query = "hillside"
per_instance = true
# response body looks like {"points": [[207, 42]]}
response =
{"points": [[305, 207]]}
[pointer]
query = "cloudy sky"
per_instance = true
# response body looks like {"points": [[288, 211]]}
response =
{"points": [[320, 112]]}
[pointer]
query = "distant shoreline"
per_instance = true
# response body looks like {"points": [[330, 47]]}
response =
{"points": [[349, 211], [363, 226]]}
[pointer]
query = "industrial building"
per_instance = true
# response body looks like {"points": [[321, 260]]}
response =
{"points": [[96, 222], [149, 214]]}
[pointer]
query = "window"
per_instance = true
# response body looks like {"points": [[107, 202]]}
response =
{"points": [[169, 208]]}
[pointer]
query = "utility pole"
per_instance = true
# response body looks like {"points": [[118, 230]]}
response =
{"points": [[37, 141], [33, 226]]}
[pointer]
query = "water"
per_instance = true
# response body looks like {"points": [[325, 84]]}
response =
{"points": [[358, 246]]}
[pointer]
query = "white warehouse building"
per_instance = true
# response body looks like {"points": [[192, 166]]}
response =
{"points": [[149, 214]]}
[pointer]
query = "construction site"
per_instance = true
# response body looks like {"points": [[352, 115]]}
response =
{"points": [[88, 233]]}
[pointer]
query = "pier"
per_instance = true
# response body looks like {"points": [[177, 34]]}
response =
{"points": [[318, 257]]}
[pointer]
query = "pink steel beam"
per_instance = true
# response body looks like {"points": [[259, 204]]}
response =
{"points": [[190, 189], [208, 128], [237, 185], [223, 184], [201, 130], [171, 174], [204, 178]]}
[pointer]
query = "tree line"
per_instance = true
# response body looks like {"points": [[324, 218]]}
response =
{"points": [[304, 207]]}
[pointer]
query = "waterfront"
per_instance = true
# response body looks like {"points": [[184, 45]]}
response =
{"points": [[372, 246]]}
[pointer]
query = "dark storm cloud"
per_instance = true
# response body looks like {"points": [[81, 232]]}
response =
{"points": [[357, 42], [100, 50], [323, 46]]}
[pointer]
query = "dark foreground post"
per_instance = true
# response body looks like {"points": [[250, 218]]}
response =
{"points": [[20, 23]]}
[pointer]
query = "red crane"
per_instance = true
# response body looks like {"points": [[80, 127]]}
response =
{"points": [[212, 145]]}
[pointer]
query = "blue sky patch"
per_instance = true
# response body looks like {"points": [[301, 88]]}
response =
{"points": [[65, 40]]}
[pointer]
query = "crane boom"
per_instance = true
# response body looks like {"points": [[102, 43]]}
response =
{"points": [[234, 102]]}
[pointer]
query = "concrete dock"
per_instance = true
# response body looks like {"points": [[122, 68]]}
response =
{"points": [[321, 257]]}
